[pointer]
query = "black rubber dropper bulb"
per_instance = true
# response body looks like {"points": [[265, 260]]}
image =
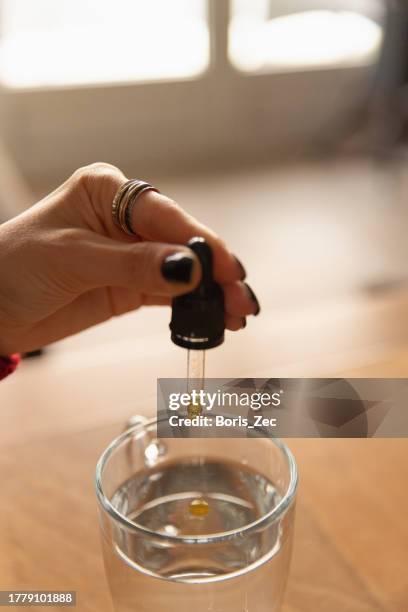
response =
{"points": [[198, 318]]}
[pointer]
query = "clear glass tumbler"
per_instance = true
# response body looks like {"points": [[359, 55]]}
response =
{"points": [[196, 525]]}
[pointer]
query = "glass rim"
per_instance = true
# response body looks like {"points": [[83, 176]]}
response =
{"points": [[270, 517]]}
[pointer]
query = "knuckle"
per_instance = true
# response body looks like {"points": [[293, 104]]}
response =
{"points": [[103, 168], [87, 176]]}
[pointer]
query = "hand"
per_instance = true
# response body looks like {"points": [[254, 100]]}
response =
{"points": [[65, 266]]}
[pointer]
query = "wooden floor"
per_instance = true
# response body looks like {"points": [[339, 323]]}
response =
{"points": [[325, 247]]}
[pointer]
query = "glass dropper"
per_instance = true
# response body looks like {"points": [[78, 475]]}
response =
{"points": [[195, 370], [195, 379], [198, 320]]}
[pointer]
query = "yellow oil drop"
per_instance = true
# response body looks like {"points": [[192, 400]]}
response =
{"points": [[199, 508]]}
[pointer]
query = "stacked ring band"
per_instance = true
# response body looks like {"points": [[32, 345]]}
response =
{"points": [[124, 202]]}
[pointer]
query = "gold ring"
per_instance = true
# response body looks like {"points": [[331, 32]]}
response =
{"points": [[124, 202]]}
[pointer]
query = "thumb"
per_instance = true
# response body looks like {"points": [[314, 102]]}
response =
{"points": [[151, 268]]}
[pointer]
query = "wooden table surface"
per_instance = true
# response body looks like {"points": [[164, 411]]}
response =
{"points": [[350, 552], [59, 412], [351, 545]]}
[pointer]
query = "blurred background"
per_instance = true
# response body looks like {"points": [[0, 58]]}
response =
{"points": [[188, 84], [282, 124]]}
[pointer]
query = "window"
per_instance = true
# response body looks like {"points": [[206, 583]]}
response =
{"points": [[267, 35], [46, 43], [129, 81]]}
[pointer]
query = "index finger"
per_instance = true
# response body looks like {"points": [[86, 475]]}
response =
{"points": [[157, 218]]}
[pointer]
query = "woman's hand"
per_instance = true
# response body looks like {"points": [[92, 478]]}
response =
{"points": [[65, 266]]}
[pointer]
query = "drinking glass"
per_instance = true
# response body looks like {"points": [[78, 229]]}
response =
{"points": [[196, 525]]}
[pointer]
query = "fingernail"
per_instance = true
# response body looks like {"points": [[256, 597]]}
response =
{"points": [[32, 354], [178, 268], [254, 299], [241, 268], [244, 322]]}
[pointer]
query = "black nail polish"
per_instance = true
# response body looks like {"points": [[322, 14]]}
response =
{"points": [[254, 299], [178, 268], [241, 267], [33, 354]]}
